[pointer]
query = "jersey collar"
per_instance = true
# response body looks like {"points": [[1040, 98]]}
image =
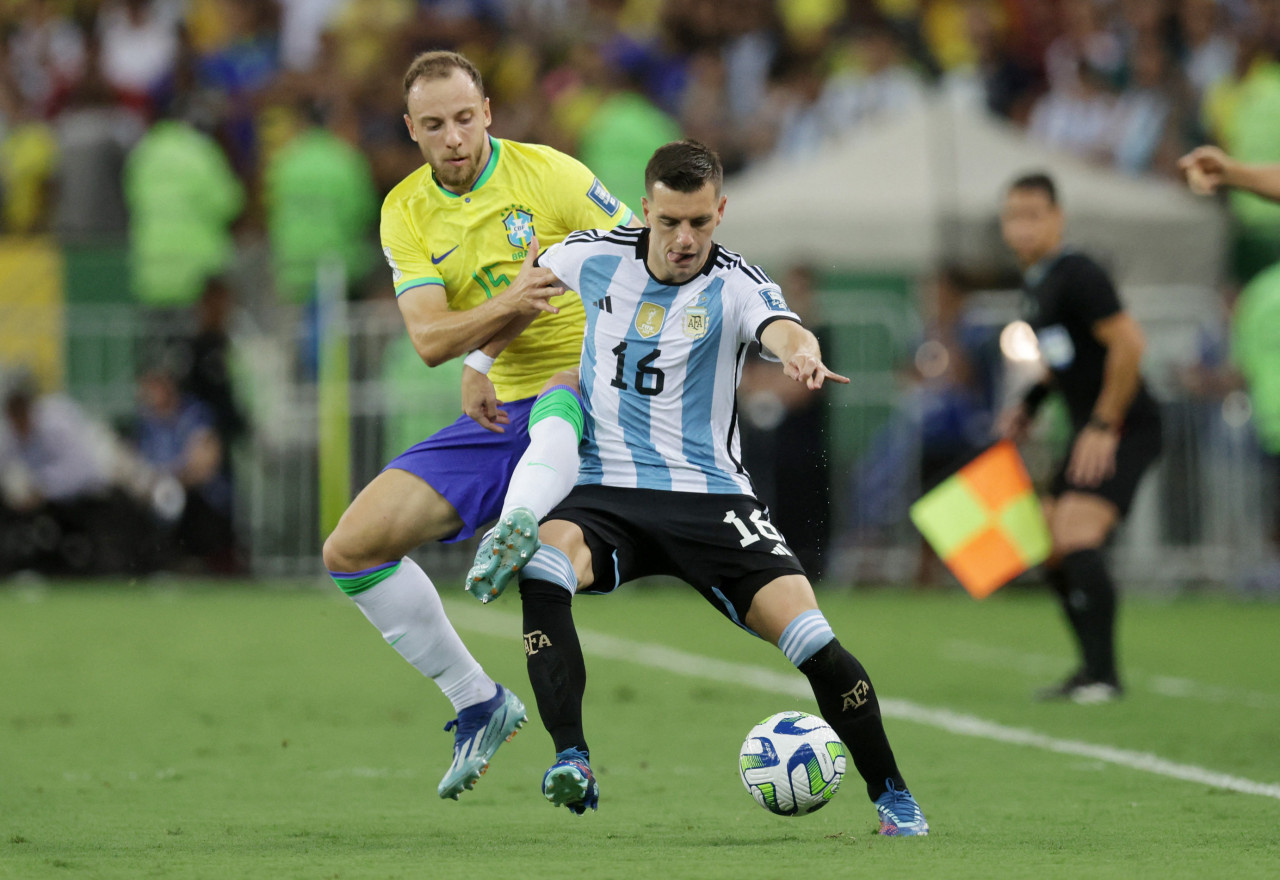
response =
{"points": [[642, 254], [495, 150], [1036, 272]]}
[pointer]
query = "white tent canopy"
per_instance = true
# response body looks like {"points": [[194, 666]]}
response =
{"points": [[926, 186]]}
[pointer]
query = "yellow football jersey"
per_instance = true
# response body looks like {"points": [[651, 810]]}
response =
{"points": [[473, 245]]}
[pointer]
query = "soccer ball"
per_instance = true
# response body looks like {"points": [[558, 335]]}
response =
{"points": [[792, 763]]}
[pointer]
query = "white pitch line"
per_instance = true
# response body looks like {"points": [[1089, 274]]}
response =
{"points": [[792, 684]]}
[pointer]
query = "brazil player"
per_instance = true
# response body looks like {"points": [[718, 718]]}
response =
{"points": [[1091, 348], [662, 490], [457, 234]]}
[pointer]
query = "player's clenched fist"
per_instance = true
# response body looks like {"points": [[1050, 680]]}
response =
{"points": [[534, 286], [1205, 169]]}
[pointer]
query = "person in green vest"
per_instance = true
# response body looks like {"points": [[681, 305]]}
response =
{"points": [[183, 197], [1242, 114], [1255, 325], [321, 202], [618, 139], [1255, 351]]}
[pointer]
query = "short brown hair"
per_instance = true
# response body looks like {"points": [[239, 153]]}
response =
{"points": [[684, 166], [440, 64]]}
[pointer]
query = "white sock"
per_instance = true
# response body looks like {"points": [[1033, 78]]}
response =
{"points": [[407, 610], [547, 470]]}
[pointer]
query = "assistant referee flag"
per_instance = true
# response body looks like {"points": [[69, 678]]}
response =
{"points": [[985, 521]]}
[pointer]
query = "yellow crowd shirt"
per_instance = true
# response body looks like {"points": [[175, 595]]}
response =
{"points": [[473, 245]]}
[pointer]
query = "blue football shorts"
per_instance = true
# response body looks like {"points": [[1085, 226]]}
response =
{"points": [[469, 466]]}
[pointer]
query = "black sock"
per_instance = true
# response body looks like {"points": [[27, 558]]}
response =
{"points": [[1057, 579], [1092, 596], [848, 703], [557, 672]]}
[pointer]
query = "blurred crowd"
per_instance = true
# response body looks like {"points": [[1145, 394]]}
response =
{"points": [[1128, 83], [197, 130]]}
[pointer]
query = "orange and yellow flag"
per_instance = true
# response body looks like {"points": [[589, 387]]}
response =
{"points": [[985, 521]]}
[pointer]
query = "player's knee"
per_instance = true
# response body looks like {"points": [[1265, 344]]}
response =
{"points": [[567, 378], [335, 555], [345, 552], [1074, 537]]}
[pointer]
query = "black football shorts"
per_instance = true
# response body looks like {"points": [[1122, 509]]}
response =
{"points": [[1135, 453], [722, 545]]}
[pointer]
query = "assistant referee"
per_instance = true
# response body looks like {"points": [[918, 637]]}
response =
{"points": [[1091, 349]]}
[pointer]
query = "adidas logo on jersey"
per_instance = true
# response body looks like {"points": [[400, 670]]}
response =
{"points": [[606, 304], [780, 550]]}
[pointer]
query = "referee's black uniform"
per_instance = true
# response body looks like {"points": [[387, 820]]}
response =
{"points": [[1065, 295]]}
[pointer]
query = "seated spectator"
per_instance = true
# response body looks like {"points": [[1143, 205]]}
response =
{"points": [[60, 509], [1077, 117], [139, 48], [997, 78], [1149, 113], [789, 122], [176, 435], [1085, 44], [882, 85], [94, 135], [1208, 48], [44, 54]]}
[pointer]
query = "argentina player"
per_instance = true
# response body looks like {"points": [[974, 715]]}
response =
{"points": [[661, 488]]}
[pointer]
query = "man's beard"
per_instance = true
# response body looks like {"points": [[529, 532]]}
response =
{"points": [[458, 176]]}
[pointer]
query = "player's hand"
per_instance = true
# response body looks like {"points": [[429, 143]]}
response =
{"points": [[534, 286], [1013, 423], [1205, 169], [808, 368], [480, 401], [1093, 457]]}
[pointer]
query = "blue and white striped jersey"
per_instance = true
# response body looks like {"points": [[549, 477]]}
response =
{"points": [[661, 364]]}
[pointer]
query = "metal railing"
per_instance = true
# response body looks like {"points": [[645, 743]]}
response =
{"points": [[1199, 516]]}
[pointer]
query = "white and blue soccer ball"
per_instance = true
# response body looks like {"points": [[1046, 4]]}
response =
{"points": [[792, 763]]}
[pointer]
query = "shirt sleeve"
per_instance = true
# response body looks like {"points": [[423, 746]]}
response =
{"points": [[759, 304], [581, 200], [1091, 295], [405, 251], [562, 259]]}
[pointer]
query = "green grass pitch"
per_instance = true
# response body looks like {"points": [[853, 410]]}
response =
{"points": [[233, 731]]}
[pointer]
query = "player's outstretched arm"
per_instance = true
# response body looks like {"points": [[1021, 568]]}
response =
{"points": [[1208, 168], [440, 334], [800, 354]]}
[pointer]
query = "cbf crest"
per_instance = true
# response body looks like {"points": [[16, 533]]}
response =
{"points": [[519, 225], [649, 319]]}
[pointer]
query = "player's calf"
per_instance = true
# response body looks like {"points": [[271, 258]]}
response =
{"points": [[848, 702]]}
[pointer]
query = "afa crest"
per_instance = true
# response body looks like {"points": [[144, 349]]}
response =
{"points": [[519, 225], [649, 319], [695, 322]]}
